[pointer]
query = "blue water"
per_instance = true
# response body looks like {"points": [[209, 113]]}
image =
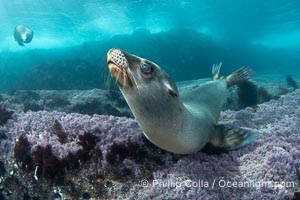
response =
{"points": [[189, 34]]}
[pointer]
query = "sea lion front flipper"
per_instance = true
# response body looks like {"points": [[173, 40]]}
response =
{"points": [[230, 137]]}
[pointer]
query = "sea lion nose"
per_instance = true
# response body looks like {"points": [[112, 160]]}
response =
{"points": [[110, 51], [117, 57]]}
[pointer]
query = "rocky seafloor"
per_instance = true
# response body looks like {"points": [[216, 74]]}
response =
{"points": [[60, 155], [95, 101], [111, 102]]}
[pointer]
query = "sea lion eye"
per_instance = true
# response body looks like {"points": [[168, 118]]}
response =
{"points": [[146, 68]]}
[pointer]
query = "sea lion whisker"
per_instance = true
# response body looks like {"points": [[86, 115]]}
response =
{"points": [[107, 82], [106, 78], [134, 82], [124, 78], [118, 76]]}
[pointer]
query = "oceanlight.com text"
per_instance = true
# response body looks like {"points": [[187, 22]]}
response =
{"points": [[220, 183]]}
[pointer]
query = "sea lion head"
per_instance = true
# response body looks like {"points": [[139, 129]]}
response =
{"points": [[148, 90], [135, 73]]}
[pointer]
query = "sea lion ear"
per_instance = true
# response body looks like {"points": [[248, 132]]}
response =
{"points": [[171, 90]]}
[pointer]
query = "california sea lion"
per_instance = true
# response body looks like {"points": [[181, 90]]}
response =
{"points": [[180, 123], [23, 34]]}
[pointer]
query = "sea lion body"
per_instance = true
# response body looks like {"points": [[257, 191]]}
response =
{"points": [[176, 131], [23, 34], [180, 123]]}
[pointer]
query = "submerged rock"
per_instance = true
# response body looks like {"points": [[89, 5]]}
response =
{"points": [[61, 75], [5, 115], [96, 101]]}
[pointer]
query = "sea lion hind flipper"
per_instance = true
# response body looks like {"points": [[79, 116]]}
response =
{"points": [[20, 43], [216, 71], [229, 137], [239, 75]]}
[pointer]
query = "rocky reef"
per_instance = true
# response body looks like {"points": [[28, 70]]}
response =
{"points": [[62, 155], [5, 115], [96, 101], [111, 102]]}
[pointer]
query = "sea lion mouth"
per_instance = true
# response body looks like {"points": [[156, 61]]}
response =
{"points": [[119, 68]]}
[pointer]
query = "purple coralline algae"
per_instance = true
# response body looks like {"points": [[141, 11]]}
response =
{"points": [[104, 157]]}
